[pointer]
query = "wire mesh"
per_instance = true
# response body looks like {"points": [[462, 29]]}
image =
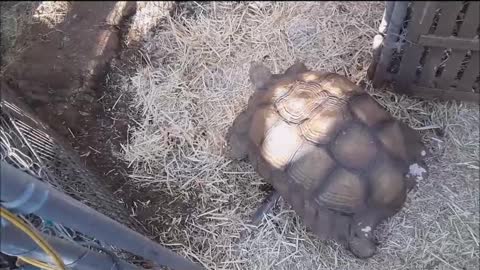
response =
{"points": [[28, 144]]}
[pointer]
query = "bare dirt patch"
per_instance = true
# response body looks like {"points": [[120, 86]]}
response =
{"points": [[57, 56], [57, 67]]}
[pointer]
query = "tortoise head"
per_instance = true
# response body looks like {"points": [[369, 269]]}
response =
{"points": [[361, 242], [261, 76], [360, 236]]}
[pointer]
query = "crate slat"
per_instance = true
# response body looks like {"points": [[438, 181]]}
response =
{"points": [[444, 94], [470, 74], [449, 42], [426, 54], [446, 23], [423, 13], [467, 30]]}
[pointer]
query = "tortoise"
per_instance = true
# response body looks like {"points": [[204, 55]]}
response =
{"points": [[341, 161]]}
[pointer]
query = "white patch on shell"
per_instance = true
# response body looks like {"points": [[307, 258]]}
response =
{"points": [[416, 171], [423, 153], [366, 235], [366, 229]]}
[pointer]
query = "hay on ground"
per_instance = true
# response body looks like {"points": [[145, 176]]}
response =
{"points": [[194, 84]]}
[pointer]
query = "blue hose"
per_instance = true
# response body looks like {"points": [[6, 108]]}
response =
{"points": [[23, 193]]}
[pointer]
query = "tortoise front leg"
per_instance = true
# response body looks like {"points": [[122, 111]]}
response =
{"points": [[266, 206]]}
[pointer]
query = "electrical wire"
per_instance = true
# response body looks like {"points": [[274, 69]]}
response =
{"points": [[42, 243], [37, 263]]}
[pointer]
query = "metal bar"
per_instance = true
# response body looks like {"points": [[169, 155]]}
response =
{"points": [[394, 27], [387, 15], [34, 132], [14, 242], [32, 150], [15, 109], [377, 45], [21, 192], [450, 42]]}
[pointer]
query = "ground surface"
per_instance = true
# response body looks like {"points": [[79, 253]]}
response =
{"points": [[55, 59], [155, 127]]}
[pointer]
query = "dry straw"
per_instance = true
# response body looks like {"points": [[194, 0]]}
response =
{"points": [[196, 82]]}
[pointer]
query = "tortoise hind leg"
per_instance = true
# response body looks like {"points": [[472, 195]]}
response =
{"points": [[237, 137], [265, 207]]}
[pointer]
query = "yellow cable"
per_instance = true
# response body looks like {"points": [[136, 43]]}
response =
{"points": [[20, 224], [37, 263]]}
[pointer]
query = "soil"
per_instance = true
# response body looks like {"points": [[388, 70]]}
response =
{"points": [[61, 75]]}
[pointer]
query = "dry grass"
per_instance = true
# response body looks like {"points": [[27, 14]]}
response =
{"points": [[148, 15], [52, 13], [196, 82]]}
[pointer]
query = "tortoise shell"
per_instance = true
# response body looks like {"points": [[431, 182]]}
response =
{"points": [[331, 151]]}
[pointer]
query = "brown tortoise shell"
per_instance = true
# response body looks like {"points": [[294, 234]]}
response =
{"points": [[330, 150]]}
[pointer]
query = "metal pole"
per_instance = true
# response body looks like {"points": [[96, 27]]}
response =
{"points": [[377, 45], [14, 242], [23, 193], [387, 15], [393, 26]]}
